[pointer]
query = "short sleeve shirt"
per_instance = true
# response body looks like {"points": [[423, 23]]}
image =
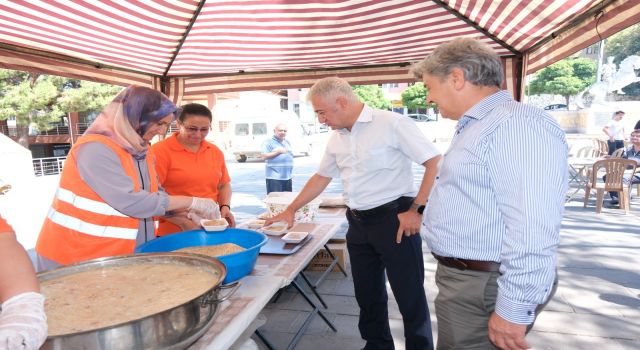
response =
{"points": [[374, 159], [279, 167], [186, 173]]}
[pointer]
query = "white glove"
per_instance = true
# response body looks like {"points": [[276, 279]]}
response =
{"points": [[23, 324], [205, 207], [194, 217]]}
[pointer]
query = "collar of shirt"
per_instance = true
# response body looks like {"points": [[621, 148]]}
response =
{"points": [[483, 108], [366, 116], [175, 145]]}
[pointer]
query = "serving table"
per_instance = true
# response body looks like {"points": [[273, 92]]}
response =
{"points": [[270, 274]]}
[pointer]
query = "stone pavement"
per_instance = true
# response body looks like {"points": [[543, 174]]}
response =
{"points": [[596, 306]]}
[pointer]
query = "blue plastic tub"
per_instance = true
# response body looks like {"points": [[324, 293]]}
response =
{"points": [[238, 264]]}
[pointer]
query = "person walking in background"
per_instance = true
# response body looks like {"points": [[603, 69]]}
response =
{"points": [[188, 165], [23, 324], [372, 151], [615, 131], [278, 165], [493, 219], [108, 193]]}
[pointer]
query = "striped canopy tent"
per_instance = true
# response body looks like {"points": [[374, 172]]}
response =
{"points": [[192, 49]]}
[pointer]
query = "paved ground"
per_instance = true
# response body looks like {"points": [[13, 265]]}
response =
{"points": [[597, 305]]}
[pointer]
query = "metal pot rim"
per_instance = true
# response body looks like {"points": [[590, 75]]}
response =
{"points": [[202, 260]]}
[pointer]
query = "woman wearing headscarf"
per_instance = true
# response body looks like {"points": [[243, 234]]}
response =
{"points": [[23, 324], [108, 194]]}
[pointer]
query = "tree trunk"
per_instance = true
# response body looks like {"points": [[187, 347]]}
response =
{"points": [[22, 133]]}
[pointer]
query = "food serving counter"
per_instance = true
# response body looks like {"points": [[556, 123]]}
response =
{"points": [[271, 273]]}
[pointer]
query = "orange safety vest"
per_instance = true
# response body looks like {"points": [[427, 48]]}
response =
{"points": [[80, 225], [4, 226]]}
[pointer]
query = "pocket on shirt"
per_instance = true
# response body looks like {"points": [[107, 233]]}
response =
{"points": [[377, 158]]}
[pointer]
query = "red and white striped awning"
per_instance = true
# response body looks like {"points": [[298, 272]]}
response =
{"points": [[206, 45]]}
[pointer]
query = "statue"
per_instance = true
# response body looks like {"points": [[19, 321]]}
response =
{"points": [[608, 70], [612, 80]]}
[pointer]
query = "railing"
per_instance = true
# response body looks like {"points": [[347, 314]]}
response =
{"points": [[81, 128], [56, 130], [48, 166], [10, 131]]}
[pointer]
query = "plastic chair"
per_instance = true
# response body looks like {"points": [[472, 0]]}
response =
{"points": [[601, 147], [617, 153], [614, 170], [587, 152]]}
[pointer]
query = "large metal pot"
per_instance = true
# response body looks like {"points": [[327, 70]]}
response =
{"points": [[175, 328]]}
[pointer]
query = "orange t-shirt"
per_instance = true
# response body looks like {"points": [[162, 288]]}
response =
{"points": [[186, 173], [4, 226]]}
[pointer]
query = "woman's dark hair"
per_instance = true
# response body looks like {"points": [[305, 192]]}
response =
{"points": [[195, 109]]}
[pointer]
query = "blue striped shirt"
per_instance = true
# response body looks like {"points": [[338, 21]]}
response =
{"points": [[279, 167], [500, 197]]}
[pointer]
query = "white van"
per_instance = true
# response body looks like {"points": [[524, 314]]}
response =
{"points": [[248, 133]]}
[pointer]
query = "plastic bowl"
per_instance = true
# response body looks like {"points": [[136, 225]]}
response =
{"points": [[238, 264], [214, 225], [277, 202]]}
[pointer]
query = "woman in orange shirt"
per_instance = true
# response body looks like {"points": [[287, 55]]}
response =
{"points": [[188, 165]]}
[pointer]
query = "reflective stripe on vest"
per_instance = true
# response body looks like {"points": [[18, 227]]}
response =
{"points": [[91, 229], [87, 204]]}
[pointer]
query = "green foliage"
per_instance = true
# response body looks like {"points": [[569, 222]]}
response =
{"points": [[415, 97], [566, 77], [623, 44], [41, 100], [372, 96]]}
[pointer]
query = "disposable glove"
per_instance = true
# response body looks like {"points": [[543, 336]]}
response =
{"points": [[205, 207], [23, 324]]}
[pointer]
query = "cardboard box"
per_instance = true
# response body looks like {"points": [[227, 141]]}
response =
{"points": [[322, 260]]}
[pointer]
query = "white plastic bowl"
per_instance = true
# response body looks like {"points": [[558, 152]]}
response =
{"points": [[275, 229], [214, 225], [295, 236]]}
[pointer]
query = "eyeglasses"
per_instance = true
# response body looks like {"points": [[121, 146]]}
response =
{"points": [[194, 129]]}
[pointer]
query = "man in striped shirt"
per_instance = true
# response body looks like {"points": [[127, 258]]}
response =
{"points": [[494, 215]]}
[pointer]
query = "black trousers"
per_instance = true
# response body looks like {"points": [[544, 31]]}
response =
{"points": [[279, 185], [371, 241], [614, 145]]}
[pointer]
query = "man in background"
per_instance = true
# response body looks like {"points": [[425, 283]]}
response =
{"points": [[278, 157]]}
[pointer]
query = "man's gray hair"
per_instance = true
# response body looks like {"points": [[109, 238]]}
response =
{"points": [[480, 64], [332, 87]]}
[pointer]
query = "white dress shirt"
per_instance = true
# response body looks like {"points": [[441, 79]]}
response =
{"points": [[374, 159]]}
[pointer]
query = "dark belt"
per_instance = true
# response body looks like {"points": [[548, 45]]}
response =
{"points": [[464, 264], [395, 205]]}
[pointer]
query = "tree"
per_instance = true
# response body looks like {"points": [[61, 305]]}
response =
{"points": [[39, 101], [566, 77], [622, 45], [415, 97], [372, 95]]}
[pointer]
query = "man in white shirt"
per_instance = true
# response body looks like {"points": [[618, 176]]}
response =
{"points": [[615, 131], [372, 151]]}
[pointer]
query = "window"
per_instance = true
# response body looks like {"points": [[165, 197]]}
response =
{"points": [[259, 129], [242, 129]]}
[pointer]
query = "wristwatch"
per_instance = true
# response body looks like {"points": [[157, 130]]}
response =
{"points": [[419, 208], [225, 205]]}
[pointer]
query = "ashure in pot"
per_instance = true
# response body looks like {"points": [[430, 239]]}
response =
{"points": [[144, 301]]}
